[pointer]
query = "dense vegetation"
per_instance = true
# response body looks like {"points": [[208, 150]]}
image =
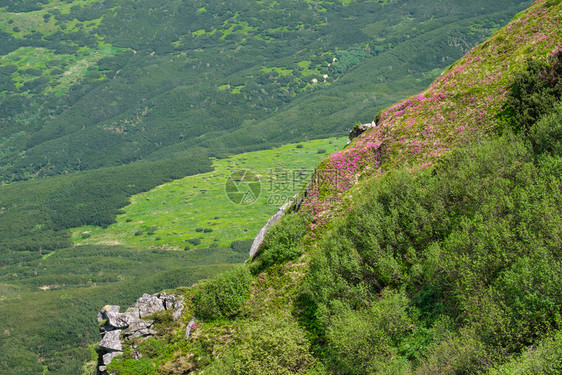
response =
{"points": [[534, 92], [224, 295], [282, 242], [448, 263], [100, 100], [450, 269], [454, 269]]}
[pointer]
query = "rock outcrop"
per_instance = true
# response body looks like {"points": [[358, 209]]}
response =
{"points": [[360, 129], [261, 234], [189, 328], [115, 326]]}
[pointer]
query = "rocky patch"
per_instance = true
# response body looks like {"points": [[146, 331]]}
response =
{"points": [[115, 326]]}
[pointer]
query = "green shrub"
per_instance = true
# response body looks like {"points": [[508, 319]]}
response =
{"points": [[461, 353], [364, 341], [224, 295], [242, 246], [544, 359], [194, 241], [546, 134], [531, 290], [282, 241], [534, 93]]}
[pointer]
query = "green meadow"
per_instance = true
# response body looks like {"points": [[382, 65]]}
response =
{"points": [[196, 212]]}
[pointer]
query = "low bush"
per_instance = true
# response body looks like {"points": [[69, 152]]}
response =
{"points": [[242, 246], [545, 359], [282, 241], [534, 92], [224, 295], [365, 340], [546, 135], [194, 241]]}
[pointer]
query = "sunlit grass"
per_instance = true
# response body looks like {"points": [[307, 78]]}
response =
{"points": [[172, 214]]}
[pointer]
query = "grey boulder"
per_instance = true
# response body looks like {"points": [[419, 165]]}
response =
{"points": [[112, 340], [149, 305]]}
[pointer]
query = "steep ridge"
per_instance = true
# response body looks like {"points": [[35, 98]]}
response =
{"points": [[430, 244], [463, 104]]}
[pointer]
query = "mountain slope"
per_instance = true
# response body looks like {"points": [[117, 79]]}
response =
{"points": [[430, 244], [131, 79]]}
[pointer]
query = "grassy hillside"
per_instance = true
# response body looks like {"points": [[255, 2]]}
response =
{"points": [[157, 100], [429, 245], [197, 209]]}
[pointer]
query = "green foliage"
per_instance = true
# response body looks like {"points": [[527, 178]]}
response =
{"points": [[153, 352], [545, 358], [463, 353], [242, 246], [194, 241], [474, 240], [364, 341], [348, 58], [224, 295], [272, 345], [282, 242], [532, 290], [534, 92], [546, 135]]}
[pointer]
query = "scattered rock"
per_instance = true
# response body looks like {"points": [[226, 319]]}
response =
{"points": [[140, 328], [113, 317], [360, 129], [107, 358], [112, 341], [189, 328], [178, 309], [131, 323], [149, 305], [168, 300], [261, 234]]}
